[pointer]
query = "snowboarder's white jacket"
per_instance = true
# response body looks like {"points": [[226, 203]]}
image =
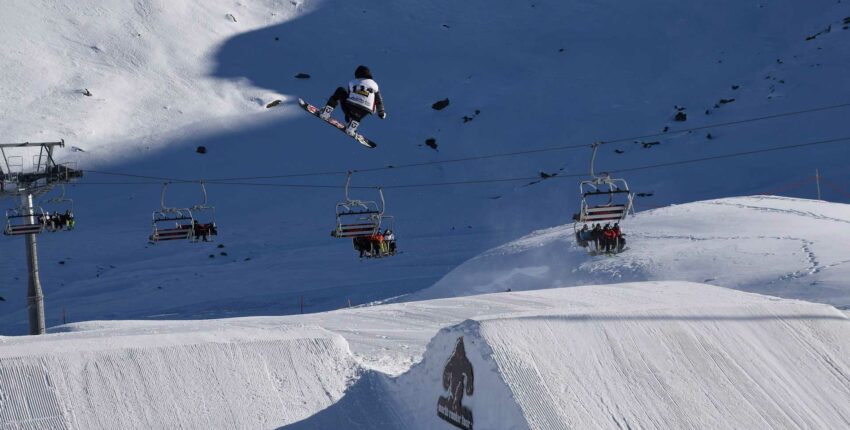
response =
{"points": [[365, 93]]}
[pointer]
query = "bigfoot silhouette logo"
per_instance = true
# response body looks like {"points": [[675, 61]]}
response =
{"points": [[457, 378]]}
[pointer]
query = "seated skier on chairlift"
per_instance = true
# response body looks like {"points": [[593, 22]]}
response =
{"points": [[61, 221], [361, 245], [48, 221], [389, 239], [360, 99], [619, 237], [584, 236], [608, 238], [378, 244], [203, 231], [596, 236], [69, 221]]}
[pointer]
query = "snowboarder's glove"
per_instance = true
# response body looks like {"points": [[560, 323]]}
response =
{"points": [[382, 115]]}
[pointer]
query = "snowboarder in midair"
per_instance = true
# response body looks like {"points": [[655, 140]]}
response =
{"points": [[360, 99]]}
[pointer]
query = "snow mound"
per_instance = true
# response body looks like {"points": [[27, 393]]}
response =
{"points": [[644, 355], [233, 378], [653, 355], [780, 246]]}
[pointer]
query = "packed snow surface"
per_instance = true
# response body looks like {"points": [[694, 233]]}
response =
{"points": [[653, 355]]}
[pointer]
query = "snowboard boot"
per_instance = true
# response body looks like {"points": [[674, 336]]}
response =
{"points": [[325, 113], [351, 130]]}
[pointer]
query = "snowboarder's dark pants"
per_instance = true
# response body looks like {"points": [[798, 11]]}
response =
{"points": [[352, 112]]}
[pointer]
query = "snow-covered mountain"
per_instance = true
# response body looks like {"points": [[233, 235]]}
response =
{"points": [[167, 78]]}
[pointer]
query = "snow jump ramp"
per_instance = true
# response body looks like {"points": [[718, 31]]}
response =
{"points": [[649, 355], [237, 378], [668, 355]]}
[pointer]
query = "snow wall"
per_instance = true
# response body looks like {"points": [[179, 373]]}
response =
{"points": [[651, 355], [237, 379], [738, 360]]}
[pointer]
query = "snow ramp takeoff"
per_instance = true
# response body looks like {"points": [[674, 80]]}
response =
{"points": [[650, 355], [196, 379]]}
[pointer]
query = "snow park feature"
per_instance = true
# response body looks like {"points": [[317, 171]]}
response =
{"points": [[654, 355], [728, 307]]}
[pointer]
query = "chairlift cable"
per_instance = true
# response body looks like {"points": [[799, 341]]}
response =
{"points": [[499, 180], [491, 156], [567, 147]]}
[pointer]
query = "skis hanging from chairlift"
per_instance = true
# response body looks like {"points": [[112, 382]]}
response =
{"points": [[182, 223], [365, 222], [604, 200]]}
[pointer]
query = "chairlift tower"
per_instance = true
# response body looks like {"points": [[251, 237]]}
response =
{"points": [[18, 181]]}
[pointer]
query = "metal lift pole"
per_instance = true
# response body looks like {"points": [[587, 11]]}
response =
{"points": [[35, 298], [45, 174]]}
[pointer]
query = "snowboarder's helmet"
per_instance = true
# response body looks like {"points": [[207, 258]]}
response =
{"points": [[363, 72]]}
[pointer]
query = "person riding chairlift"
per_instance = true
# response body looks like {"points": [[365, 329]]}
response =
{"points": [[203, 231], [619, 237], [361, 244], [596, 236], [608, 238], [377, 240], [584, 236], [389, 241]]}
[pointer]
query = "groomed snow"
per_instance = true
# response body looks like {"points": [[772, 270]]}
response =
{"points": [[654, 355]]}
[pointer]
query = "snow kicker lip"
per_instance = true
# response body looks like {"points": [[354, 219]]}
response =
{"points": [[649, 355], [674, 365], [234, 378]]}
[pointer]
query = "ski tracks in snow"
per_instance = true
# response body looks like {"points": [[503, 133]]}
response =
{"points": [[813, 264], [807, 214]]}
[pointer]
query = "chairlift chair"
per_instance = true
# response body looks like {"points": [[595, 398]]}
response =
{"points": [[603, 200], [358, 218], [363, 221], [24, 220], [170, 224]]}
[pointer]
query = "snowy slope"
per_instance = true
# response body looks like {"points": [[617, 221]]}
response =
{"points": [[146, 64], [647, 355], [541, 73], [772, 245]]}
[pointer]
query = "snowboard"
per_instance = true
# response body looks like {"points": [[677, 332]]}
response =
{"points": [[340, 126]]}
